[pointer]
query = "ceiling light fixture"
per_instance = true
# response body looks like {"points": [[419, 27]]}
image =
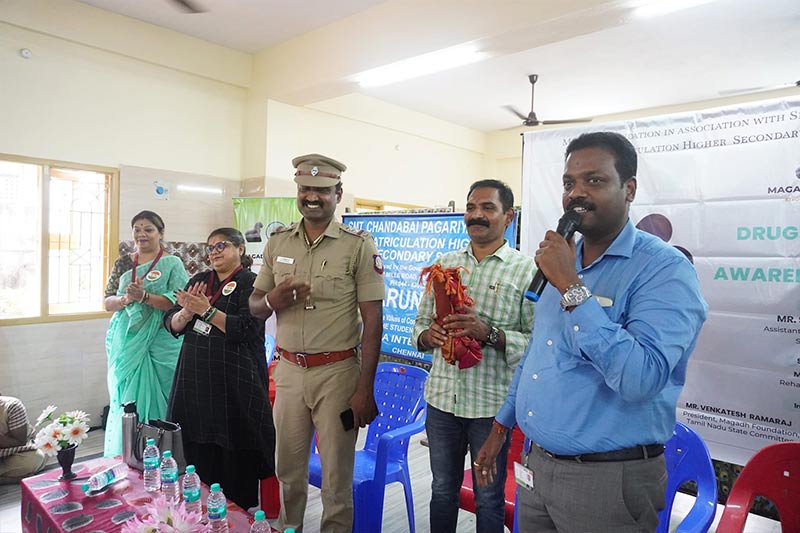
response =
{"points": [[656, 8], [195, 188], [413, 67]]}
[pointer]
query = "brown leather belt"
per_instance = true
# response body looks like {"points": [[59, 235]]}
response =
{"points": [[307, 360], [628, 454]]}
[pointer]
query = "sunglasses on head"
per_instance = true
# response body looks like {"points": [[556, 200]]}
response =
{"points": [[218, 247]]}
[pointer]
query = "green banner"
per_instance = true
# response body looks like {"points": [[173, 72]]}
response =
{"points": [[258, 218]]}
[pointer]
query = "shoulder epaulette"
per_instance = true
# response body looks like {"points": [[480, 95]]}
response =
{"points": [[284, 229], [364, 234]]}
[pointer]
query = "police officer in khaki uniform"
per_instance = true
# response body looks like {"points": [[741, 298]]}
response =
{"points": [[322, 279]]}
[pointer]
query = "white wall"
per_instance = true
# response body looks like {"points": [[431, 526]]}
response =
{"points": [[108, 102], [62, 363], [382, 163], [76, 103]]}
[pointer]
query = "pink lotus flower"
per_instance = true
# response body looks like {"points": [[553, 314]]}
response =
{"points": [[164, 517]]}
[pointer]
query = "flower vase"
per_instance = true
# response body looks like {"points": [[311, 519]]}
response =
{"points": [[65, 458]]}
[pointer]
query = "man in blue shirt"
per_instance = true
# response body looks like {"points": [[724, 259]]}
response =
{"points": [[597, 388]]}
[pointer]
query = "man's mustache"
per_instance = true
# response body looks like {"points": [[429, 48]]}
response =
{"points": [[578, 203], [478, 222]]}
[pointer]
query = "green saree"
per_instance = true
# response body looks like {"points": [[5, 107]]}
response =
{"points": [[142, 354]]}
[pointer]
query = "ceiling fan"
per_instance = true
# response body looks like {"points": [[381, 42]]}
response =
{"points": [[531, 119], [188, 6]]}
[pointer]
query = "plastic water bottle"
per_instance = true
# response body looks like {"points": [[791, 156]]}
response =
{"points": [[169, 478], [260, 525], [152, 461], [108, 476], [217, 510], [191, 491]]}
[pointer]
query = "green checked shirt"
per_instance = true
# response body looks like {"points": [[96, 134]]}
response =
{"points": [[497, 285]]}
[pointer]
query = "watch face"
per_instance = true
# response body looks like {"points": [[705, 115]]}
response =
{"points": [[494, 336], [574, 296]]}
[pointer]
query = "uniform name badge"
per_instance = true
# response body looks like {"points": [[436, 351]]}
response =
{"points": [[201, 327], [523, 475]]}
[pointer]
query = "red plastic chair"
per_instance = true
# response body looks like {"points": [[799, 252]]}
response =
{"points": [[774, 473], [467, 496]]}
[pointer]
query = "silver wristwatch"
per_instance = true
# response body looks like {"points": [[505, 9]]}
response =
{"points": [[493, 337], [575, 295]]}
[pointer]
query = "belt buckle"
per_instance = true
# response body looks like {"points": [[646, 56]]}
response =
{"points": [[301, 360]]}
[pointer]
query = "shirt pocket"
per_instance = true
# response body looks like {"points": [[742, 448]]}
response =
{"points": [[281, 271], [331, 286]]}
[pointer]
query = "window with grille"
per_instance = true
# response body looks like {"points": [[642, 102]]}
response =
{"points": [[54, 247]]}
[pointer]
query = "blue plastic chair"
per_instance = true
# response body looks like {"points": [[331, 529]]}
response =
{"points": [[384, 458], [269, 348], [688, 460]]}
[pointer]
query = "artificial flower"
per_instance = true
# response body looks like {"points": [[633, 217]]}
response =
{"points": [[66, 430], [166, 517], [47, 414]]}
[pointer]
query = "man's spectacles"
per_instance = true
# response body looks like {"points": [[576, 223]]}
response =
{"points": [[218, 247]]}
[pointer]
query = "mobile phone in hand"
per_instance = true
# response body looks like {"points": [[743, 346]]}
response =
{"points": [[347, 419]]}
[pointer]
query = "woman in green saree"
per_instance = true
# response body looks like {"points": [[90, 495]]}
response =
{"points": [[141, 354]]}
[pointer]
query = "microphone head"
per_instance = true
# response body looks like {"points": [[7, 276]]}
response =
{"points": [[568, 223]]}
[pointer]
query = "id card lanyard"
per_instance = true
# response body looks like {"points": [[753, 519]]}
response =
{"points": [[210, 283], [201, 326], [152, 265]]}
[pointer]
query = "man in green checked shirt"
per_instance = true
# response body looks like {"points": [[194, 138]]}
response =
{"points": [[462, 403]]}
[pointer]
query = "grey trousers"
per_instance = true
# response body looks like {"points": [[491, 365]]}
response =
{"points": [[572, 497]]}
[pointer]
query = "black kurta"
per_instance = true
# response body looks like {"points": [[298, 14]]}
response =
{"points": [[220, 395]]}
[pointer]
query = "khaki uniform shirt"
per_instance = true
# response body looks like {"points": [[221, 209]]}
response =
{"points": [[343, 267]]}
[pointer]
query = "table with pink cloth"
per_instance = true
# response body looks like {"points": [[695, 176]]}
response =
{"points": [[50, 505]]}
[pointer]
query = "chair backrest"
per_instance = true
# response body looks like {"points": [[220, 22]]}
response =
{"points": [[688, 459], [774, 473], [269, 347], [399, 395]]}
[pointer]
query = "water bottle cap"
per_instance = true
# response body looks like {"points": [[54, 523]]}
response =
{"points": [[167, 453], [215, 487], [190, 469], [260, 516], [151, 442], [288, 530], [85, 487], [129, 407]]}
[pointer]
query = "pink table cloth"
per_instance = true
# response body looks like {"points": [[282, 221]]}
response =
{"points": [[50, 505]]}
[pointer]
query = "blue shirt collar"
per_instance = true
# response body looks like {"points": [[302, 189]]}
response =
{"points": [[621, 246]]}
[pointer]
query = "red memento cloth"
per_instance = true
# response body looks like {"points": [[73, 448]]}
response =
{"points": [[450, 295]]}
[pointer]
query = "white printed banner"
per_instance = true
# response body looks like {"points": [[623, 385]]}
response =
{"points": [[724, 186]]}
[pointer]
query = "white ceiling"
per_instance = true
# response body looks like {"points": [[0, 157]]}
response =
{"points": [[603, 62]]}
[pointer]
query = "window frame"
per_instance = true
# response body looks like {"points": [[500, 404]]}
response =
{"points": [[111, 243], [380, 205]]}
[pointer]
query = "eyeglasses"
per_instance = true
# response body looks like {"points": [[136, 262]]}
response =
{"points": [[218, 247]]}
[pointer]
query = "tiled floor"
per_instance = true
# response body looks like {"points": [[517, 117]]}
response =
{"points": [[394, 517]]}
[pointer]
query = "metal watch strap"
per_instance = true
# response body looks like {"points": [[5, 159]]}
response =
{"points": [[493, 337]]}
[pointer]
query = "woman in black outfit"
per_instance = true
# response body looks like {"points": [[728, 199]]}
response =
{"points": [[220, 392]]}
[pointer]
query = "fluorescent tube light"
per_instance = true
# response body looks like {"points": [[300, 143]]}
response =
{"points": [[195, 188], [413, 67], [656, 8]]}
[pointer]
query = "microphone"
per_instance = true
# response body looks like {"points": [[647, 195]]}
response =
{"points": [[567, 225]]}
